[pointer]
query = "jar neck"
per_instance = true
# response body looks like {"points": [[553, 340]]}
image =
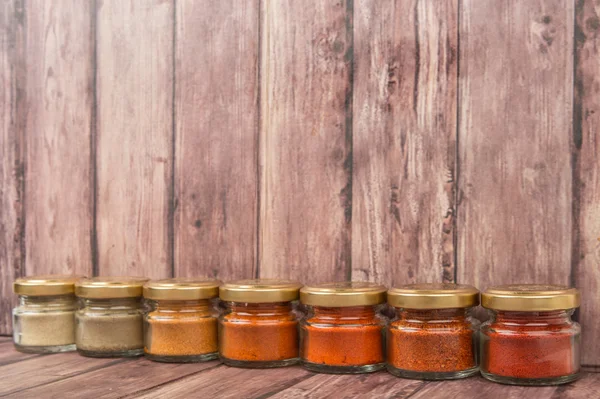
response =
{"points": [[432, 315], [260, 309], [345, 313], [199, 305], [551, 317], [50, 301], [112, 303]]}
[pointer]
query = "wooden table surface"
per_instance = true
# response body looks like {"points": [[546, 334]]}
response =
{"points": [[69, 375]]}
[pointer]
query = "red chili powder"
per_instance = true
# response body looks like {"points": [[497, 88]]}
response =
{"points": [[528, 351]]}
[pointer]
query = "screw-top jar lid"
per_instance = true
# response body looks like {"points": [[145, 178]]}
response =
{"points": [[182, 289], [260, 291], [530, 297], [433, 296], [110, 287], [343, 294], [45, 285]]}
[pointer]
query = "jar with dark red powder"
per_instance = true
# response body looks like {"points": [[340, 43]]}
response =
{"points": [[530, 338]]}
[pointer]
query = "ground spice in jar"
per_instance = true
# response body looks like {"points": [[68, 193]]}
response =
{"points": [[43, 322], [433, 335], [259, 328], [109, 321], [343, 331], [530, 339], [181, 324]]}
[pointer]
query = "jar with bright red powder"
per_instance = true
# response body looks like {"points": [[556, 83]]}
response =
{"points": [[531, 338]]}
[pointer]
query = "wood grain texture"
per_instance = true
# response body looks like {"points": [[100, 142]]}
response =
{"points": [[12, 155], [587, 387], [477, 387], [586, 174], [404, 141], [228, 382], [42, 370], [9, 355], [216, 138], [59, 192], [378, 385], [116, 381], [305, 140], [134, 85], [514, 214]]}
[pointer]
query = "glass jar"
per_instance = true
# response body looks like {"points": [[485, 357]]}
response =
{"points": [[433, 336], [180, 322], [43, 321], [109, 319], [343, 332], [530, 338], [259, 328]]}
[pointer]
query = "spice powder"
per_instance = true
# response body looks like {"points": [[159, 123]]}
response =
{"points": [[343, 345], [433, 347], [531, 352], [181, 335], [109, 333], [271, 338], [45, 329]]}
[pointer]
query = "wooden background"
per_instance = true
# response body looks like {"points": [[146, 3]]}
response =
{"points": [[387, 140]]}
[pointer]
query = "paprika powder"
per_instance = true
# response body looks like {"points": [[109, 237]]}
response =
{"points": [[259, 329], [343, 331], [530, 338], [180, 324], [433, 335]]}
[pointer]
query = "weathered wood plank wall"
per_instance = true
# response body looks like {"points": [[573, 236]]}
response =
{"points": [[393, 141]]}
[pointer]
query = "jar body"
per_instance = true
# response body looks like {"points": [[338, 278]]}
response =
{"points": [[343, 340], [180, 331], [44, 324], [258, 335], [530, 348], [433, 344], [109, 327]]}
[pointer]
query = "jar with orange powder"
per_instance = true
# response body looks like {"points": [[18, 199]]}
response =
{"points": [[530, 338], [433, 336], [259, 329], [180, 322], [343, 332]]}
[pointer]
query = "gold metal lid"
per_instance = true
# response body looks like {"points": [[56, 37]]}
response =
{"points": [[259, 291], [433, 296], [110, 287], [530, 297], [182, 289], [45, 285], [343, 294]]}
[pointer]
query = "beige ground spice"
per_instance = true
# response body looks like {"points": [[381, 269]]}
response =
{"points": [[45, 329], [111, 332]]}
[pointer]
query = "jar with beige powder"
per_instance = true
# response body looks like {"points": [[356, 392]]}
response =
{"points": [[43, 321], [109, 320]]}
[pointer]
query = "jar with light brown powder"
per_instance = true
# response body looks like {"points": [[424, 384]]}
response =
{"points": [[44, 320], [109, 319], [180, 324]]}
